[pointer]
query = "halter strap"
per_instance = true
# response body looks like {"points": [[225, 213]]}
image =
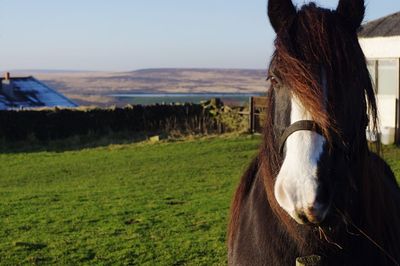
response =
{"points": [[297, 126]]}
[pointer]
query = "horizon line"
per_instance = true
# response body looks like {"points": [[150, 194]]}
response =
{"points": [[55, 70]]}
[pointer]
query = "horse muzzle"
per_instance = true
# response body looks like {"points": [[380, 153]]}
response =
{"points": [[307, 202], [314, 214]]}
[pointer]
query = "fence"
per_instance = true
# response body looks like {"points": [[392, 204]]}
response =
{"points": [[397, 126], [56, 123], [258, 112]]}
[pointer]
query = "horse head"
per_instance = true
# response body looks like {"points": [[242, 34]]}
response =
{"points": [[318, 108]]}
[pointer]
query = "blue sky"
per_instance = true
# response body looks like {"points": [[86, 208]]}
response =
{"points": [[120, 35]]}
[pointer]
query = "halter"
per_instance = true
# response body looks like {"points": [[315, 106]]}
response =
{"points": [[308, 125]]}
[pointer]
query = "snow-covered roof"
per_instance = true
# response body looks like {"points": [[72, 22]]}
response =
{"points": [[28, 92]]}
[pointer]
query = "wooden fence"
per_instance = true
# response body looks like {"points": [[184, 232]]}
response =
{"points": [[397, 126], [257, 113]]}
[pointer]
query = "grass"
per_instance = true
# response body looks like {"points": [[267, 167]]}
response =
{"points": [[392, 157], [163, 204], [130, 204]]}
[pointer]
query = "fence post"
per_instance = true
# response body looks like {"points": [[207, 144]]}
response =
{"points": [[251, 115], [397, 116], [397, 124], [313, 260]]}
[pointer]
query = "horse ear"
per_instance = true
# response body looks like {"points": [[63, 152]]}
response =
{"points": [[280, 13], [353, 11]]}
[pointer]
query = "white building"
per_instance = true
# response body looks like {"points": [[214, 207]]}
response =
{"points": [[380, 41]]}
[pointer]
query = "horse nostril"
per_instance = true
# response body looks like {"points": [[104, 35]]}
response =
{"points": [[303, 219], [316, 213]]}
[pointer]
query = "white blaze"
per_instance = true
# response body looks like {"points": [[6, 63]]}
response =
{"points": [[296, 184]]}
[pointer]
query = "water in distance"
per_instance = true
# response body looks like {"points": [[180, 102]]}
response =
{"points": [[168, 98]]}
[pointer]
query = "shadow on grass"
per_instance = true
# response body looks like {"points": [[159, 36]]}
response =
{"points": [[75, 142], [30, 246]]}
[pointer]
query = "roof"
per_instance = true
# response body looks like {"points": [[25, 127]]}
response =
{"points": [[383, 27], [28, 92]]}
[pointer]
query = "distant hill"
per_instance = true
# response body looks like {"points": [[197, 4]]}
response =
{"points": [[87, 87]]}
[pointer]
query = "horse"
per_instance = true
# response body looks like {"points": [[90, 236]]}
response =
{"points": [[317, 186]]}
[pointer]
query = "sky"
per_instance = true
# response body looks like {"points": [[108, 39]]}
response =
{"points": [[124, 35]]}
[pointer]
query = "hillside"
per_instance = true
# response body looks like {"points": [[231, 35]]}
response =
{"points": [[95, 87]]}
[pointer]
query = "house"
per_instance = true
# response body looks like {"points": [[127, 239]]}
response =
{"points": [[380, 41], [27, 93]]}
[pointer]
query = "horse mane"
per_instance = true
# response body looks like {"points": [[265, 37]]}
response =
{"points": [[246, 181]]}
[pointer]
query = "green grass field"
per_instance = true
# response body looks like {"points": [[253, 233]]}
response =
{"points": [[147, 204]]}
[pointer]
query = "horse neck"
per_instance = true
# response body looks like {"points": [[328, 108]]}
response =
{"points": [[377, 212]]}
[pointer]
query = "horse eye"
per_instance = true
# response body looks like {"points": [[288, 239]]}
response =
{"points": [[274, 81]]}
